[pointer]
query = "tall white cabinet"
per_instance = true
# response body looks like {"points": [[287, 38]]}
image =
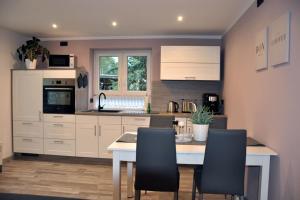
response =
{"points": [[27, 111]]}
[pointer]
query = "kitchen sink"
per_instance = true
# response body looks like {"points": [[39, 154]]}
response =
{"points": [[104, 110]]}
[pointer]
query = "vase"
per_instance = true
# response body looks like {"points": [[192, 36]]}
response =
{"points": [[200, 132], [30, 64]]}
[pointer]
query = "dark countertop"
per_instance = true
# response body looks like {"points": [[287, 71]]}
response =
{"points": [[138, 114]]}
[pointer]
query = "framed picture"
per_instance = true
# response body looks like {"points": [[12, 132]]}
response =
{"points": [[279, 40], [261, 49]]}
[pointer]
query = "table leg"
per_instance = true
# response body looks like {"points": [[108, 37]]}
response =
{"points": [[129, 179], [116, 176], [264, 179]]}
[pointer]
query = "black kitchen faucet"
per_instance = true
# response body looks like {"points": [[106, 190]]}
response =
{"points": [[99, 106]]}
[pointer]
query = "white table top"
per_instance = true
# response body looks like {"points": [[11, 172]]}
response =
{"points": [[193, 149]]}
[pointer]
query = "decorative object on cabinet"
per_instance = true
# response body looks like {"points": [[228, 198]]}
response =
{"points": [[30, 51], [279, 40], [261, 49], [201, 120]]}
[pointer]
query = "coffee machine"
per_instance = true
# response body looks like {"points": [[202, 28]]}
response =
{"points": [[211, 101]]}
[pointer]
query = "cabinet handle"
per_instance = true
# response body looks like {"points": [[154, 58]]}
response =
{"points": [[140, 119], [58, 125], [123, 130], [95, 130], [58, 142], [27, 140], [58, 116], [27, 123], [40, 116], [190, 77], [99, 130]]}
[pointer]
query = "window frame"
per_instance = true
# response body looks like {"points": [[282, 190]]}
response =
{"points": [[122, 72]]}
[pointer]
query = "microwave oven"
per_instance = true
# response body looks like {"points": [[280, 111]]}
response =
{"points": [[61, 61]]}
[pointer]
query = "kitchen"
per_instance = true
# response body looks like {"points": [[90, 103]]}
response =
{"points": [[88, 134]]}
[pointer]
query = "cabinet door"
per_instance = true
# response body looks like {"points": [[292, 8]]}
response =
{"points": [[87, 136], [190, 71], [131, 128], [27, 95], [190, 54], [86, 140], [108, 134]]}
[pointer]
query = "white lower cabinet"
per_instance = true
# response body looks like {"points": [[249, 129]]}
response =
{"points": [[28, 145], [87, 136], [59, 147], [59, 135], [28, 137], [109, 130], [131, 124]]}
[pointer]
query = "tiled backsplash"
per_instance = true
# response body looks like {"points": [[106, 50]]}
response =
{"points": [[164, 91]]}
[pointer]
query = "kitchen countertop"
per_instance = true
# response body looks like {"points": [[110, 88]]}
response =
{"points": [[137, 114]]}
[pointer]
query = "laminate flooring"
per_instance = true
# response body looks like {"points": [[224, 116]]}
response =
{"points": [[85, 180]]}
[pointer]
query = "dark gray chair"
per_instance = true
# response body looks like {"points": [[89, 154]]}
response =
{"points": [[162, 121], [223, 169], [156, 164]]}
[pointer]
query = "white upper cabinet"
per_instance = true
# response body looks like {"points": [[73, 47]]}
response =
{"points": [[27, 95], [190, 63]]}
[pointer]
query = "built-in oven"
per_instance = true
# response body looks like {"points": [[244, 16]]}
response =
{"points": [[59, 96]]}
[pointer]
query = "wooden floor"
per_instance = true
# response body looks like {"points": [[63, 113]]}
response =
{"points": [[85, 181]]}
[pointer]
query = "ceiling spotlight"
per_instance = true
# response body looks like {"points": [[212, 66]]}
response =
{"points": [[54, 25], [114, 23], [180, 18]]}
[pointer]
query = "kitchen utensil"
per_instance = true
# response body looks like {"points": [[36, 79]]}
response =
{"points": [[188, 106], [211, 101], [172, 107]]}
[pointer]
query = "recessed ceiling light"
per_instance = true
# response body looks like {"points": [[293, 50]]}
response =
{"points": [[114, 23], [54, 25], [180, 18]]}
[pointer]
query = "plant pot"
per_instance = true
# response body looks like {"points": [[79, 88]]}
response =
{"points": [[200, 132], [30, 64]]}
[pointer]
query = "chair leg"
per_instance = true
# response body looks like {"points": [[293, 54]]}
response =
{"points": [[200, 196], [176, 195], [194, 189], [137, 195]]}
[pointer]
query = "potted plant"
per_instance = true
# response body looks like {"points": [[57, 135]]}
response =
{"points": [[30, 51], [201, 120]]}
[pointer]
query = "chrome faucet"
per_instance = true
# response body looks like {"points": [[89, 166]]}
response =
{"points": [[99, 106]]}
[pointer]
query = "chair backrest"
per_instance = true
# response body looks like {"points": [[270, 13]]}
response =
{"points": [[156, 165], [161, 121], [224, 162]]}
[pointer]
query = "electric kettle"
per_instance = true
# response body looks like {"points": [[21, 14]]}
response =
{"points": [[188, 106], [172, 107]]}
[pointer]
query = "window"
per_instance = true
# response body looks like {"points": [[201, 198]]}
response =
{"points": [[122, 72]]}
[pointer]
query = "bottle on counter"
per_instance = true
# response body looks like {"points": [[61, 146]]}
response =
{"points": [[149, 108]]}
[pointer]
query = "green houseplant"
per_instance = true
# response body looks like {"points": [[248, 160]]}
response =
{"points": [[201, 120], [30, 51]]}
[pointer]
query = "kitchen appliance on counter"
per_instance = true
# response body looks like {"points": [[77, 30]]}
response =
{"points": [[59, 96], [211, 101], [62, 61], [173, 107], [188, 106]]}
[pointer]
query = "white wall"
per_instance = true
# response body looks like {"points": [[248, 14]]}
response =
{"points": [[266, 103], [9, 42]]}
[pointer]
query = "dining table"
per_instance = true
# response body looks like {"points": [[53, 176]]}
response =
{"points": [[187, 154]]}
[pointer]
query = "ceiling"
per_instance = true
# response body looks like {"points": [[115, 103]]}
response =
{"points": [[135, 18]]}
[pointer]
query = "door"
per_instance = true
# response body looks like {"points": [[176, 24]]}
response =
{"points": [[86, 136], [27, 95]]}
